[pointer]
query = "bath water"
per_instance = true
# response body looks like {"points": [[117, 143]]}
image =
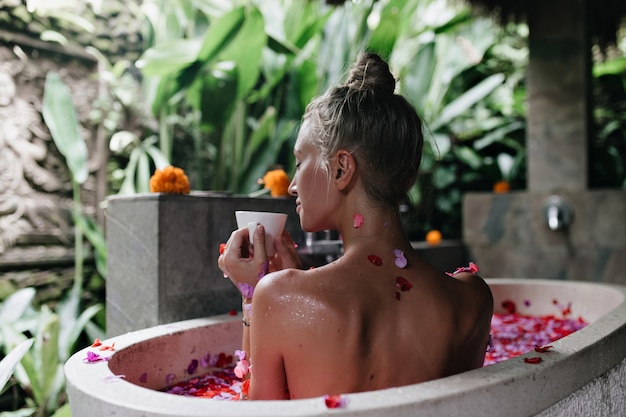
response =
{"points": [[512, 334]]}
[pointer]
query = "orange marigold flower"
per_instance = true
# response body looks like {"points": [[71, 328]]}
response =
{"points": [[501, 187], [170, 180], [277, 181], [433, 237]]}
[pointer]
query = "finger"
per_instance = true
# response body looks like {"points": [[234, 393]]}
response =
{"points": [[259, 243], [286, 249]]}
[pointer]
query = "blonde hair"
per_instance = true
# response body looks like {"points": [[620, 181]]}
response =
{"points": [[380, 128]]}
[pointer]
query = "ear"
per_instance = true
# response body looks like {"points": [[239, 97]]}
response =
{"points": [[344, 169]]}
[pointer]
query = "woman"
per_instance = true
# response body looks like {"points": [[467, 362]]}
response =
{"points": [[379, 316]]}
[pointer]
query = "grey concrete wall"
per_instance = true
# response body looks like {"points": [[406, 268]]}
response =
{"points": [[507, 236], [162, 256]]}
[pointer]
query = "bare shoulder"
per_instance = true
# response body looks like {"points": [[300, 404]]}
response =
{"points": [[279, 290], [476, 290]]}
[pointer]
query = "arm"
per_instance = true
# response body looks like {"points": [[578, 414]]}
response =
{"points": [[245, 267], [268, 378]]}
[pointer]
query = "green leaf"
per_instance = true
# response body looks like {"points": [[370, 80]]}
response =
{"points": [[63, 411], [169, 58], [22, 412], [143, 173], [615, 66], [74, 327], [418, 76], [16, 304], [215, 94], [46, 352], [128, 185], [308, 83], [59, 114], [443, 177], [95, 236], [468, 99], [221, 33], [384, 36], [497, 135], [260, 134], [12, 338], [468, 156], [281, 46], [246, 50], [160, 160], [10, 361]]}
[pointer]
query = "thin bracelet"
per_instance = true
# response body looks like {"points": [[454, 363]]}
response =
{"points": [[245, 322]]}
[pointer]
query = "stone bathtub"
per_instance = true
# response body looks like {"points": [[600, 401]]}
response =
{"points": [[583, 374]]}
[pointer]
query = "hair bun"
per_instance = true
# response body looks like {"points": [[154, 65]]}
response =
{"points": [[370, 72]]}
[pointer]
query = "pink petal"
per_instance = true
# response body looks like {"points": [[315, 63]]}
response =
{"points": [[242, 368], [401, 261], [93, 357], [193, 365], [358, 221]]}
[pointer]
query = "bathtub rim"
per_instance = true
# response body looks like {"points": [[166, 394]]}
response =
{"points": [[574, 360]]}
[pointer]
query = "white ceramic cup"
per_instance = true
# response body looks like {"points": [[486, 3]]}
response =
{"points": [[274, 223]]}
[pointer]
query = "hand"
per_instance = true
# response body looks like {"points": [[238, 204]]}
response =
{"points": [[286, 254], [244, 263]]}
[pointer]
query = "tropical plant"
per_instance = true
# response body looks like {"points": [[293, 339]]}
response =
{"points": [[245, 87], [54, 339], [466, 84], [55, 333], [10, 361], [607, 153], [242, 82]]}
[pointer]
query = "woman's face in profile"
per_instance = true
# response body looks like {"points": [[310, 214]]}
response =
{"points": [[311, 183]]}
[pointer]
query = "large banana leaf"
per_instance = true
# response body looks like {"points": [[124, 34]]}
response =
{"points": [[169, 58], [60, 116]]}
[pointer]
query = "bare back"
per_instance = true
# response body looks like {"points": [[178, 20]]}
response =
{"points": [[350, 327]]}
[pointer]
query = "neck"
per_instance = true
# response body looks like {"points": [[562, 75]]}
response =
{"points": [[381, 227]]}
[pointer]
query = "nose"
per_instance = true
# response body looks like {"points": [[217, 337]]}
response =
{"points": [[293, 190]]}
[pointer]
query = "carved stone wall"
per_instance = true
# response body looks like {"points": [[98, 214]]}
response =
{"points": [[35, 186]]}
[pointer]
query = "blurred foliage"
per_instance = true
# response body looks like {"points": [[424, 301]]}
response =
{"points": [[607, 152], [229, 89]]}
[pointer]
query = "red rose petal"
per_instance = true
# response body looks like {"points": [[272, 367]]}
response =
{"points": [[509, 306], [403, 284], [542, 349], [375, 259], [532, 361], [334, 401]]}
